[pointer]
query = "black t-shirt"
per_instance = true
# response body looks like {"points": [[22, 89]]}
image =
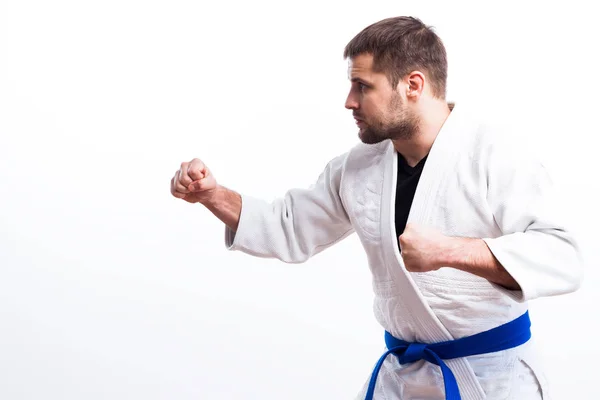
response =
{"points": [[408, 178]]}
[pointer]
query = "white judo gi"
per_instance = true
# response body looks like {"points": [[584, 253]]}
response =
{"points": [[476, 184]]}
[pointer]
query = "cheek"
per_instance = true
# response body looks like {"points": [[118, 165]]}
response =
{"points": [[377, 113], [370, 108]]}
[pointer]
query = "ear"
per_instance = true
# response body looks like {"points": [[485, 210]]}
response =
{"points": [[414, 84]]}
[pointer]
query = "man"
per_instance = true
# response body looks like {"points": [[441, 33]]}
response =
{"points": [[458, 223]]}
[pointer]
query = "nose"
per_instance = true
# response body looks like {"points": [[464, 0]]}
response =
{"points": [[351, 102]]}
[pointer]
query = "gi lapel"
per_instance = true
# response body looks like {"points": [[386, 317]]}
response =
{"points": [[428, 328]]}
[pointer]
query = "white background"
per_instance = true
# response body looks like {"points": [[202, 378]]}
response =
{"points": [[112, 289]]}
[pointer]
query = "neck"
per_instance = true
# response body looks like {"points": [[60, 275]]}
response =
{"points": [[432, 118]]}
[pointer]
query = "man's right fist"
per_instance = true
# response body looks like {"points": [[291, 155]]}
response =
{"points": [[193, 182]]}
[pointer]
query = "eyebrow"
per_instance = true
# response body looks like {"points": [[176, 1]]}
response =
{"points": [[359, 80]]}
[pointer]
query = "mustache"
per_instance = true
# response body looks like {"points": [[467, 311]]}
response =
{"points": [[358, 116]]}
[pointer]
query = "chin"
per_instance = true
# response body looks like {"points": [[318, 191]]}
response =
{"points": [[369, 138]]}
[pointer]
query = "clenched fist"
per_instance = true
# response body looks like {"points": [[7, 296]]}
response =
{"points": [[193, 182], [423, 248]]}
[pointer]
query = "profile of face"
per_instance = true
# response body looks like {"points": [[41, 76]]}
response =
{"points": [[379, 109]]}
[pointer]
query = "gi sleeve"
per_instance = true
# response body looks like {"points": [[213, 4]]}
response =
{"points": [[298, 225], [536, 246]]}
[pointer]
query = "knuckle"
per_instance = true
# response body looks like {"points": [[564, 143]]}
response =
{"points": [[182, 186]]}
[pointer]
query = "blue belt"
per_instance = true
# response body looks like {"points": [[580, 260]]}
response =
{"points": [[507, 336]]}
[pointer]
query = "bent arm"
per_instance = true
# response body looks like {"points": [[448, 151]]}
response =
{"points": [[537, 247], [474, 256]]}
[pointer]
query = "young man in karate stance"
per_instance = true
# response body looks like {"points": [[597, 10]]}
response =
{"points": [[458, 223]]}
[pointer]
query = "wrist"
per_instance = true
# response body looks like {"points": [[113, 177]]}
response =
{"points": [[456, 252], [467, 254], [211, 198]]}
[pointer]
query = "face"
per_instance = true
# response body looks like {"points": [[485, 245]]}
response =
{"points": [[379, 109]]}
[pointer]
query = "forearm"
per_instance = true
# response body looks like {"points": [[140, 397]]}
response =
{"points": [[226, 205], [475, 257]]}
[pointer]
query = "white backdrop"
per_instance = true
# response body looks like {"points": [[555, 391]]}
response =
{"points": [[112, 289]]}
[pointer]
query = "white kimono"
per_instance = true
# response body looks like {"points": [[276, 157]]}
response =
{"points": [[475, 183]]}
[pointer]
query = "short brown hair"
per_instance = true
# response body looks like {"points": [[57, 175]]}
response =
{"points": [[400, 45]]}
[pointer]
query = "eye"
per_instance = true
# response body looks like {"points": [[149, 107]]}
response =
{"points": [[362, 86]]}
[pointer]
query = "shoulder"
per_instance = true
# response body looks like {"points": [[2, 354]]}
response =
{"points": [[355, 162], [363, 155], [499, 138], [359, 156], [505, 153]]}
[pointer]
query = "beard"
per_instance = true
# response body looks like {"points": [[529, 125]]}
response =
{"points": [[399, 124]]}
